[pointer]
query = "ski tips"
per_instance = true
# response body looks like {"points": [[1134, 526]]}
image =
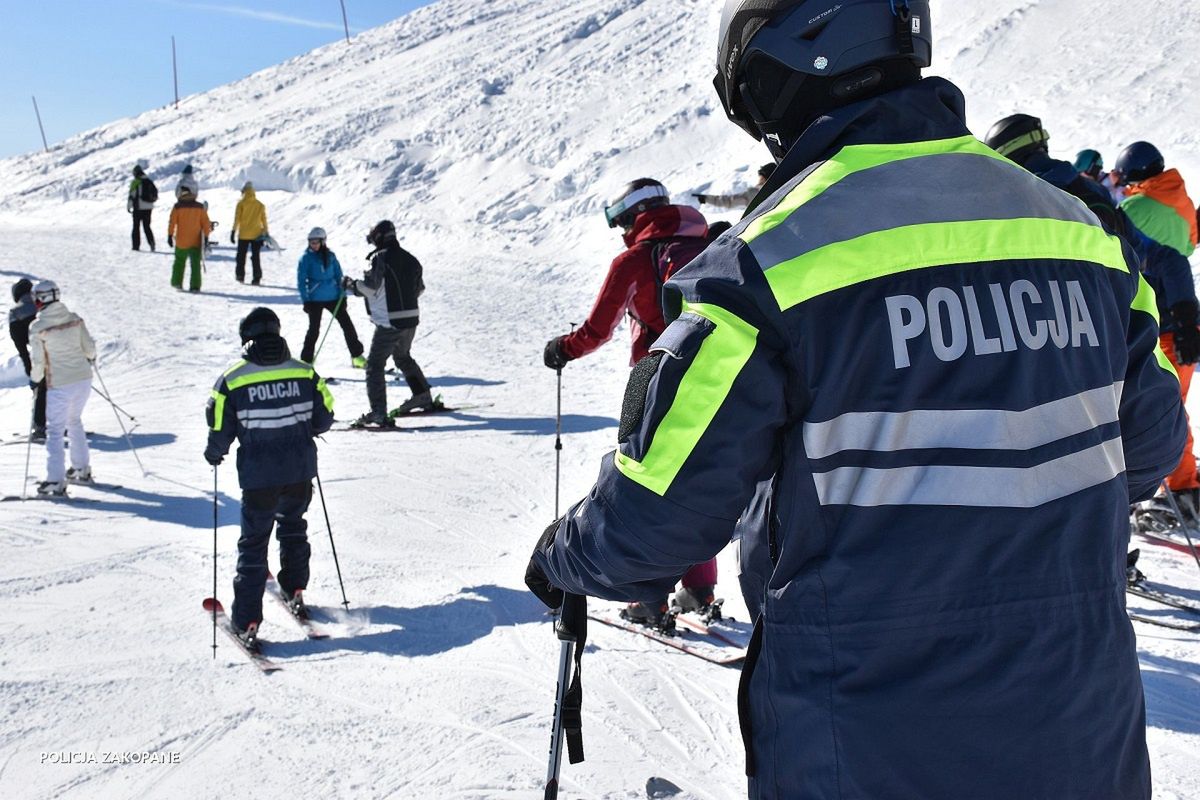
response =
{"points": [[213, 604]]}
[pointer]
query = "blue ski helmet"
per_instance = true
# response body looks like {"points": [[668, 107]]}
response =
{"points": [[1089, 162], [1138, 162]]}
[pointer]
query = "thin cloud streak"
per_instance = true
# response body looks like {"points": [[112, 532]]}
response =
{"points": [[266, 16]]}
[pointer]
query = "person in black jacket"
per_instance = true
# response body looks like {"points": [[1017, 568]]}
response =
{"points": [[391, 288], [142, 196], [20, 317], [273, 405]]}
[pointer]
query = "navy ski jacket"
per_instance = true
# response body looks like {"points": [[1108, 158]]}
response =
{"points": [[273, 406], [1165, 268], [949, 373]]}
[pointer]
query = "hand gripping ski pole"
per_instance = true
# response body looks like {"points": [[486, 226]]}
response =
{"points": [[571, 628]]}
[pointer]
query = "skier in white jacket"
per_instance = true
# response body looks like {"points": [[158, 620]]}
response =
{"points": [[62, 352]]}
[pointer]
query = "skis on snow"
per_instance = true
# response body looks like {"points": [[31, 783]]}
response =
{"points": [[705, 641], [223, 622], [310, 629]]}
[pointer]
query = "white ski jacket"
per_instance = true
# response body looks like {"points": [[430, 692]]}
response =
{"points": [[60, 347]]}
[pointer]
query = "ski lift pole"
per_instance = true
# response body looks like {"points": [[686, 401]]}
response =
{"points": [[571, 629]]}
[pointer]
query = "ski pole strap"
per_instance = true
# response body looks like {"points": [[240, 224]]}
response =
{"points": [[572, 627]]}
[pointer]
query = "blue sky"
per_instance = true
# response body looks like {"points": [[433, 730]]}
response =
{"points": [[94, 61]]}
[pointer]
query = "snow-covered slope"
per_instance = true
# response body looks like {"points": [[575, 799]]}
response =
{"points": [[491, 132]]}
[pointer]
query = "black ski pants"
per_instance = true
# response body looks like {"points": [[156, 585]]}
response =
{"points": [[19, 331], [141, 221], [261, 510], [314, 308], [396, 344], [255, 248]]}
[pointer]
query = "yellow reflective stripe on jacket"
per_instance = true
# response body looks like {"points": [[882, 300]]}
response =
{"points": [[856, 158], [218, 410], [267, 376], [326, 395], [1145, 302], [889, 252], [701, 392]]}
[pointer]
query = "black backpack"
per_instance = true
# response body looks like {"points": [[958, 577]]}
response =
{"points": [[668, 257], [149, 192]]}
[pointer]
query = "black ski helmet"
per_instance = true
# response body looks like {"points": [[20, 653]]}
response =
{"points": [[1138, 162], [262, 321], [636, 197], [1089, 162], [1017, 137], [21, 288], [381, 233], [782, 63]]}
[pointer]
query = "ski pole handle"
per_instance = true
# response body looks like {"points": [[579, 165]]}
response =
{"points": [[571, 618]]}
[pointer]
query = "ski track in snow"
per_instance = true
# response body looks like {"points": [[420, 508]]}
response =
{"points": [[493, 134]]}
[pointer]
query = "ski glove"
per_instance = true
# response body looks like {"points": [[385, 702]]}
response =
{"points": [[170, 240], [553, 355], [536, 580], [701, 198], [1187, 335], [213, 457], [233, 237]]}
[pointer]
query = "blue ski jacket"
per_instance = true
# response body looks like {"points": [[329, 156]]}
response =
{"points": [[1165, 269], [317, 280], [949, 373], [273, 405]]}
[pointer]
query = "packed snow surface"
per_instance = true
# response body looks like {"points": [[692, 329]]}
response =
{"points": [[491, 132]]}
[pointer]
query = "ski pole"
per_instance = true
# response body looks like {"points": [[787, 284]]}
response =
{"points": [[336, 309], [332, 547], [214, 594], [571, 629], [114, 405], [96, 368], [1182, 525], [29, 444], [558, 443], [558, 437]]}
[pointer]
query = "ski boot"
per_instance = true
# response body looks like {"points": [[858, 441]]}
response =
{"points": [[248, 637], [52, 488], [39, 435], [698, 600], [373, 419], [1133, 575], [296, 604], [418, 402], [652, 615], [80, 476]]}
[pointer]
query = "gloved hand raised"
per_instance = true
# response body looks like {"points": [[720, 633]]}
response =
{"points": [[553, 355]]}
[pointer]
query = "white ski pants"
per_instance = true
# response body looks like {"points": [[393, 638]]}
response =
{"points": [[64, 412]]}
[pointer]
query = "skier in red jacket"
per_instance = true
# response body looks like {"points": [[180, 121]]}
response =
{"points": [[633, 286]]}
